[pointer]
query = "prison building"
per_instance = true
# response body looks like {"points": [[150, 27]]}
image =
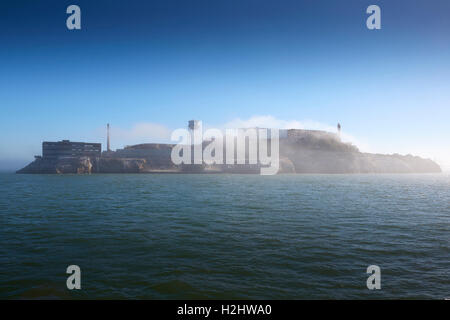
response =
{"points": [[69, 149]]}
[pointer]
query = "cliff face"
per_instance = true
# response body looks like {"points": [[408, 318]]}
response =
{"points": [[85, 165], [67, 165], [329, 155], [314, 161], [119, 165]]}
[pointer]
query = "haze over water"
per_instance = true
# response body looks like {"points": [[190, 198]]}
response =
{"points": [[225, 236]]}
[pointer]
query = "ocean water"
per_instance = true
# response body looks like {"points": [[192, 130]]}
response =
{"points": [[187, 236]]}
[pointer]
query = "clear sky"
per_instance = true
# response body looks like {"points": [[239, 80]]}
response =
{"points": [[147, 67]]}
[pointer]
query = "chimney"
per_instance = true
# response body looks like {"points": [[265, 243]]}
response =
{"points": [[107, 141]]}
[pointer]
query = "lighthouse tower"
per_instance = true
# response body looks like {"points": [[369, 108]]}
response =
{"points": [[339, 130]]}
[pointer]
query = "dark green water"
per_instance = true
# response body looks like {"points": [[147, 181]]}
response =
{"points": [[225, 236]]}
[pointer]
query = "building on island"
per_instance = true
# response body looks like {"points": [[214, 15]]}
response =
{"points": [[69, 149]]}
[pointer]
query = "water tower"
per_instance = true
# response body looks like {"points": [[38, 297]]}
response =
{"points": [[193, 124]]}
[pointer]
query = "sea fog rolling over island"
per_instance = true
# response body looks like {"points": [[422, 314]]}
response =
{"points": [[299, 151]]}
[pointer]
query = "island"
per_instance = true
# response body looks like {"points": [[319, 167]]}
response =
{"points": [[300, 152]]}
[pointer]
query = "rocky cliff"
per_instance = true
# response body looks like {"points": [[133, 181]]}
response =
{"points": [[328, 155], [85, 165], [66, 165]]}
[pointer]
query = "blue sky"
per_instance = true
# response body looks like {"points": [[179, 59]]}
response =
{"points": [[147, 67]]}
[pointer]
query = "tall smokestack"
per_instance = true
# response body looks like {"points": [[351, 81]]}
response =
{"points": [[107, 139]]}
